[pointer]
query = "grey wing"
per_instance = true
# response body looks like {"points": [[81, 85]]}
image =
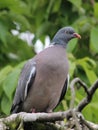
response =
{"points": [[26, 79], [65, 87]]}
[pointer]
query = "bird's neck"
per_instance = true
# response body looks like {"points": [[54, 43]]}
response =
{"points": [[59, 42]]}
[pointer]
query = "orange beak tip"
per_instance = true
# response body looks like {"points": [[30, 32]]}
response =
{"points": [[77, 35]]}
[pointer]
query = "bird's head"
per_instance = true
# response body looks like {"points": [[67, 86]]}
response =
{"points": [[63, 36]]}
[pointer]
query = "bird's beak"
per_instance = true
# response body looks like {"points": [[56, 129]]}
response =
{"points": [[77, 35]]}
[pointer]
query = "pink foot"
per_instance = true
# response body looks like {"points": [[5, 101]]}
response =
{"points": [[33, 110]]}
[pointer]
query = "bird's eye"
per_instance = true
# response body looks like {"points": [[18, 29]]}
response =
{"points": [[66, 32], [71, 32]]}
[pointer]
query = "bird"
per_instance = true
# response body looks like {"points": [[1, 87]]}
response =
{"points": [[43, 81]]}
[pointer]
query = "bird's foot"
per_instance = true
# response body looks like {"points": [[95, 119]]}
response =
{"points": [[33, 110]]}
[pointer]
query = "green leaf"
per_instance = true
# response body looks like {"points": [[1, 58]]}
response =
{"points": [[22, 7], [43, 29], [21, 20], [16, 6], [5, 105], [11, 83], [77, 3], [20, 48], [20, 66], [56, 6], [90, 74], [94, 39], [72, 68], [3, 32], [96, 9], [6, 3], [88, 68], [72, 44], [4, 72], [51, 3], [11, 80], [87, 112]]}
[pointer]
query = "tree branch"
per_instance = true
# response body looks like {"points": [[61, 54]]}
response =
{"points": [[76, 120], [32, 117], [14, 120], [89, 124], [88, 98], [72, 87]]}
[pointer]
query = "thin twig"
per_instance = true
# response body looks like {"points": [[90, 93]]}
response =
{"points": [[89, 124], [72, 86], [84, 86], [73, 92], [88, 98]]}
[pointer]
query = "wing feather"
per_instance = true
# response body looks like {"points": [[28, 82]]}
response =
{"points": [[64, 88], [26, 79]]}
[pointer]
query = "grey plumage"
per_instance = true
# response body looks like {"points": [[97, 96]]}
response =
{"points": [[43, 80]]}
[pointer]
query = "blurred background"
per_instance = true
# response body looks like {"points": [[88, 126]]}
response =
{"points": [[27, 27]]}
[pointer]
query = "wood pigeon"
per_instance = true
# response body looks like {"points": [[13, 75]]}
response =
{"points": [[44, 79]]}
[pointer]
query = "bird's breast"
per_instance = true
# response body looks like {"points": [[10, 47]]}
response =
{"points": [[52, 66]]}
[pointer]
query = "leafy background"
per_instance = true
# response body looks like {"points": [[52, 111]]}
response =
{"points": [[42, 18]]}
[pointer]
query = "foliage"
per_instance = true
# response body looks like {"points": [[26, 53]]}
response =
{"points": [[45, 18]]}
